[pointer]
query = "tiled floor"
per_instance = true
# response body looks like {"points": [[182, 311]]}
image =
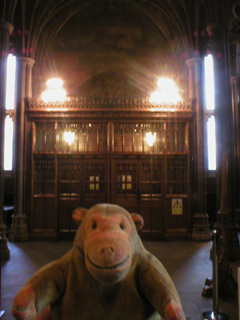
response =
{"points": [[188, 263]]}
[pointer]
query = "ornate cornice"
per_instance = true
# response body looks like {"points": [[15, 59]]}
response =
{"points": [[83, 104]]}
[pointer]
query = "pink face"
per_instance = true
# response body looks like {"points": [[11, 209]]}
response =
{"points": [[107, 247]]}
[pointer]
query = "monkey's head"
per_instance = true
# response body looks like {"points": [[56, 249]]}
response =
{"points": [[108, 238]]}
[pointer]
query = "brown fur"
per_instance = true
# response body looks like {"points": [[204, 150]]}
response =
{"points": [[107, 275]]}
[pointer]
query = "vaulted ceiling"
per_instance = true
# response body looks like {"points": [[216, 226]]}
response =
{"points": [[111, 48]]}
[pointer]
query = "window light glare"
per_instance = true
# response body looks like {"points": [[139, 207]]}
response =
{"points": [[8, 143], [209, 82], [10, 85], [211, 143]]}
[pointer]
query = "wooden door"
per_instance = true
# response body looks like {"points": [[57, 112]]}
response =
{"points": [[125, 184], [70, 194], [137, 185], [151, 204], [95, 177], [81, 183]]}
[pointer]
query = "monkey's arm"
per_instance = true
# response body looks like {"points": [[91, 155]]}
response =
{"points": [[44, 288], [158, 288]]}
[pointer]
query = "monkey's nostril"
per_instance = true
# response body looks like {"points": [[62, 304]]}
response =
{"points": [[107, 250], [108, 254]]}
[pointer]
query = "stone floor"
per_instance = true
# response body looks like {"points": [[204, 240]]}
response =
{"points": [[188, 263]]}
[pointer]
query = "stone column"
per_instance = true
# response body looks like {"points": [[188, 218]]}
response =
{"points": [[225, 173], [19, 230], [201, 229], [236, 122], [5, 30]]}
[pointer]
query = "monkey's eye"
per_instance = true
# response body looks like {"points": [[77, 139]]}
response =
{"points": [[94, 225], [122, 226]]}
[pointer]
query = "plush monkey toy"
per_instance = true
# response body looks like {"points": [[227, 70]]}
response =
{"points": [[107, 275]]}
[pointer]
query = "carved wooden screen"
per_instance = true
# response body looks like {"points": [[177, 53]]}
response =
{"points": [[170, 136], [151, 188], [178, 217], [43, 206], [176, 137], [137, 186], [130, 137], [177, 179], [70, 194], [144, 179], [44, 137], [89, 137], [126, 175]]}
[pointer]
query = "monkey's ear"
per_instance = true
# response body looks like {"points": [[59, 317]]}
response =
{"points": [[78, 214], [138, 220]]}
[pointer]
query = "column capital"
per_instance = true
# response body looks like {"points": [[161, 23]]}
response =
{"points": [[26, 60], [218, 28], [6, 26], [194, 61]]}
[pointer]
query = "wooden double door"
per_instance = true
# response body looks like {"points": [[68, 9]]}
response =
{"points": [[133, 183]]}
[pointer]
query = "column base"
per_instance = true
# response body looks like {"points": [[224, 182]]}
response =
{"points": [[19, 230], [201, 229], [4, 250], [228, 233]]}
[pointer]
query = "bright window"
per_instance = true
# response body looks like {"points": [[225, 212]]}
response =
{"points": [[8, 143], [211, 143], [11, 80], [209, 83], [10, 105], [210, 106]]}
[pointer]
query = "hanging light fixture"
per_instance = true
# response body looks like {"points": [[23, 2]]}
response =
{"points": [[54, 92], [69, 137], [167, 92], [150, 138]]}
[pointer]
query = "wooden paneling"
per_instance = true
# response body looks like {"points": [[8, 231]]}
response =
{"points": [[137, 186], [111, 162]]}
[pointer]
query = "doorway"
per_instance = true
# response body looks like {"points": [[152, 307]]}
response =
{"points": [[137, 185]]}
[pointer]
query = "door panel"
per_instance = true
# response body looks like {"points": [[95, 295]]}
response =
{"points": [[125, 184], [151, 204], [70, 186], [137, 186], [95, 182], [81, 183]]}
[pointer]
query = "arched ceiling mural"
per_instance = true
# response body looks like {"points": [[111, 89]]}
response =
{"points": [[111, 48]]}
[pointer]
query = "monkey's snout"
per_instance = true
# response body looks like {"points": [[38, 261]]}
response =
{"points": [[108, 255]]}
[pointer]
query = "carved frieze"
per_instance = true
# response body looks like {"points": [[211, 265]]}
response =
{"points": [[83, 104]]}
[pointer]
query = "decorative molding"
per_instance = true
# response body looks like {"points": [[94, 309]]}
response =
{"points": [[83, 104], [10, 113]]}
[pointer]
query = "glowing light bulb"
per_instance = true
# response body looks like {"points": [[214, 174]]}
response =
{"points": [[150, 138], [69, 137], [54, 91], [167, 92]]}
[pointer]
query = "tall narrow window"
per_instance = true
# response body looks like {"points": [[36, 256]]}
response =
{"points": [[211, 143], [10, 105], [210, 107], [8, 144]]}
